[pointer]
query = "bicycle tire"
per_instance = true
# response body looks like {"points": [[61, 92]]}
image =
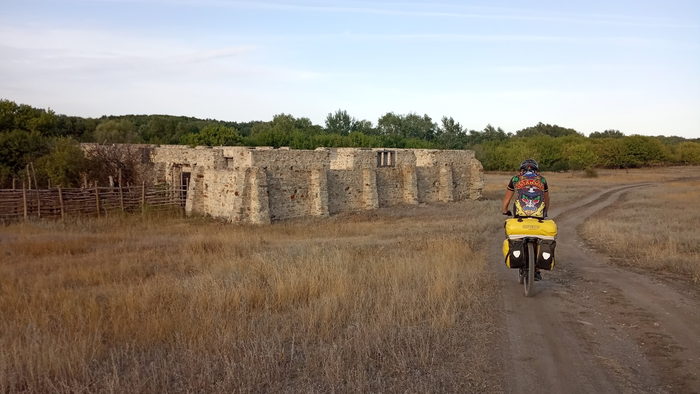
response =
{"points": [[530, 279]]}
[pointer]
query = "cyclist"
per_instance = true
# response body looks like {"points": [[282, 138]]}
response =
{"points": [[532, 199]]}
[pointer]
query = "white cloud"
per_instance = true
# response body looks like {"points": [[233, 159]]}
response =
{"points": [[73, 54]]}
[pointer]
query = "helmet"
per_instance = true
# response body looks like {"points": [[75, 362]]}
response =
{"points": [[529, 164]]}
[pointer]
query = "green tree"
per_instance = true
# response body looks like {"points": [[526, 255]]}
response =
{"points": [[688, 153], [18, 148], [489, 133], [493, 134], [547, 151], [607, 134], [451, 135], [365, 127], [284, 130], [160, 129], [419, 127], [642, 150], [411, 125], [26, 118], [8, 109], [213, 135], [43, 122], [580, 154], [82, 129], [612, 152], [389, 124], [545, 129], [65, 163], [340, 123], [116, 132]]}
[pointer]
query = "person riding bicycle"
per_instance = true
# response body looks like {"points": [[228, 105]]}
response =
{"points": [[532, 199]]}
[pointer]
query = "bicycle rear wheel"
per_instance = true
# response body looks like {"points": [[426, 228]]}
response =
{"points": [[530, 278]]}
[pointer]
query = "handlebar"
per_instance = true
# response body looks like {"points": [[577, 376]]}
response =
{"points": [[509, 213]]}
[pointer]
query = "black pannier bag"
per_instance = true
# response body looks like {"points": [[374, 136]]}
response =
{"points": [[516, 253], [545, 254]]}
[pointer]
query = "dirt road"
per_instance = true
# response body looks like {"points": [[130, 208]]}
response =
{"points": [[593, 327]]}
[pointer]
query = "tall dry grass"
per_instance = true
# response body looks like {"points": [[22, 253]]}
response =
{"points": [[391, 301], [654, 227]]}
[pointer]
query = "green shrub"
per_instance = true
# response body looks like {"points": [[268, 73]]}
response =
{"points": [[65, 163]]}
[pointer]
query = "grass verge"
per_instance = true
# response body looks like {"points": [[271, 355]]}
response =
{"points": [[654, 227]]}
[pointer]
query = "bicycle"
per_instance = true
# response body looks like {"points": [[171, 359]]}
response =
{"points": [[530, 245], [526, 275]]}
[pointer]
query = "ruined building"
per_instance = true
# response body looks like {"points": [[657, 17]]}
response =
{"points": [[262, 184]]}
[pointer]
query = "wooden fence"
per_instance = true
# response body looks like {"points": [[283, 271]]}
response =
{"points": [[24, 204]]}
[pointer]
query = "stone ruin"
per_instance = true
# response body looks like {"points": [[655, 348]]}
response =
{"points": [[259, 185]]}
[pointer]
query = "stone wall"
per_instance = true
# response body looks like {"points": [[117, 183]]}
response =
{"points": [[263, 184]]}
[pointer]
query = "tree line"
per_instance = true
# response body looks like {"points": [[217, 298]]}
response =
{"points": [[49, 143]]}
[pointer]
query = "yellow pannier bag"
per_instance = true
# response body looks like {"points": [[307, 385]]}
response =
{"points": [[526, 227]]}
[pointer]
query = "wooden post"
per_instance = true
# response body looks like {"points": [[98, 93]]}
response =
{"points": [[38, 196], [24, 199], [14, 181], [36, 183], [121, 191], [29, 178], [143, 197], [172, 183], [97, 199], [60, 201]]}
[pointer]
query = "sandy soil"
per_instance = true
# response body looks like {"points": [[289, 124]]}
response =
{"points": [[593, 327]]}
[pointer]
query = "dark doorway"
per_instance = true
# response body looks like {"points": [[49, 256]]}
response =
{"points": [[184, 186]]}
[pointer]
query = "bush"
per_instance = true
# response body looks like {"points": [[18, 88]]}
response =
{"points": [[590, 172], [65, 164], [104, 161], [688, 153]]}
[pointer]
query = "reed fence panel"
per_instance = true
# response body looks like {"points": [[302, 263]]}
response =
{"points": [[57, 203]]}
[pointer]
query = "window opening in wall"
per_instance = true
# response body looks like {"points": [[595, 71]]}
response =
{"points": [[229, 162], [386, 158], [148, 155]]}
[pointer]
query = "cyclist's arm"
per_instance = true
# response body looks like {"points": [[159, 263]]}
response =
{"points": [[506, 200], [546, 197]]}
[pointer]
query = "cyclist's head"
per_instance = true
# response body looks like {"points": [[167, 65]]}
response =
{"points": [[529, 164]]}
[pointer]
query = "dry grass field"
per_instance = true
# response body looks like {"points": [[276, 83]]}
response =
{"points": [[394, 300], [655, 227], [391, 301]]}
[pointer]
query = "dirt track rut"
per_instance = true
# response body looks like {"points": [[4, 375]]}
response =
{"points": [[593, 327]]}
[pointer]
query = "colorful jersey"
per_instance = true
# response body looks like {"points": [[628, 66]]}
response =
{"points": [[529, 189]]}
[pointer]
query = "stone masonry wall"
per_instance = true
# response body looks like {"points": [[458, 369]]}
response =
{"points": [[346, 191], [263, 184]]}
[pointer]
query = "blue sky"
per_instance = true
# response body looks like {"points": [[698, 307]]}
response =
{"points": [[628, 65]]}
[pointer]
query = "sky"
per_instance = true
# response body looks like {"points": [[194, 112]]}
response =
{"points": [[632, 66]]}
